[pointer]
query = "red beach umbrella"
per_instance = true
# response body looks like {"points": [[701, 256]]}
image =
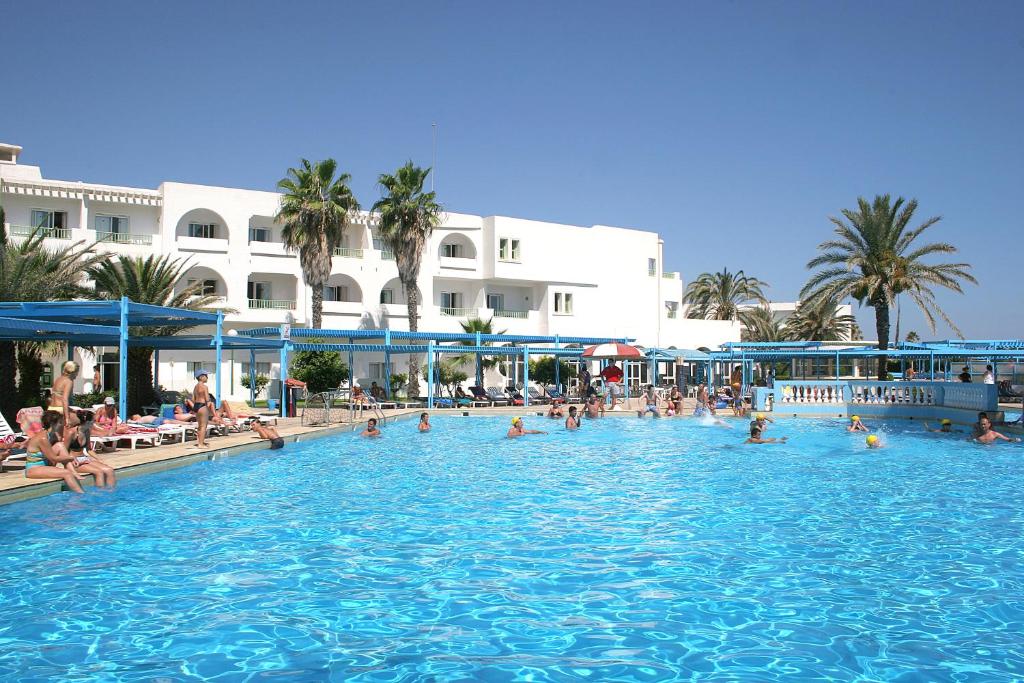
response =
{"points": [[613, 351]]}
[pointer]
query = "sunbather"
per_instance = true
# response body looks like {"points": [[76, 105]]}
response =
{"points": [[43, 458], [107, 421]]}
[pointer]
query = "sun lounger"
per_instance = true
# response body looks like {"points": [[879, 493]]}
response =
{"points": [[496, 396], [480, 397], [537, 397], [8, 437], [556, 396]]}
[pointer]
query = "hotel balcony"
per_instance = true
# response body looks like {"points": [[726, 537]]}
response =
{"points": [[458, 312], [348, 252], [273, 304], [207, 244], [268, 249], [22, 231], [124, 238]]}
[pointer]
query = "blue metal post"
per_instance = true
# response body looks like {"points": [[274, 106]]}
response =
{"points": [[252, 377], [479, 363], [284, 376], [430, 373], [526, 376], [387, 363], [218, 345], [558, 368], [122, 361], [156, 368], [625, 378]]}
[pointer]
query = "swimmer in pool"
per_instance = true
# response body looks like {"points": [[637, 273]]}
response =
{"points": [[989, 435], [371, 428], [873, 441], [856, 425], [555, 412], [573, 421], [267, 432], [517, 429], [756, 436], [424, 425], [945, 427]]}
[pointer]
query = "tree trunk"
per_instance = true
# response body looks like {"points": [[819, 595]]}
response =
{"points": [[8, 396], [30, 365], [140, 380], [318, 306], [882, 330], [412, 296]]}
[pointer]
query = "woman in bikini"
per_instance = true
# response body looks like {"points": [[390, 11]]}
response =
{"points": [[76, 441], [43, 456], [107, 421]]}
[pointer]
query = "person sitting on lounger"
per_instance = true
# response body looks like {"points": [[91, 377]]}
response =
{"points": [[424, 425], [108, 423], [856, 425], [77, 442], [756, 436], [371, 428], [269, 433], [555, 412], [573, 421], [988, 435], [43, 457], [358, 395], [377, 392], [517, 429]]}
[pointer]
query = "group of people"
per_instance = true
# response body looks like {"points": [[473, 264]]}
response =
{"points": [[60, 448]]}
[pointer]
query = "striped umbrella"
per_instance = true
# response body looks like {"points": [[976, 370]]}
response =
{"points": [[614, 351]]}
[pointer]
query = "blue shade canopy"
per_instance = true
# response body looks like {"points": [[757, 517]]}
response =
{"points": [[109, 312]]}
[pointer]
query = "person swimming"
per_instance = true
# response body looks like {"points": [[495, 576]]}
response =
{"points": [[371, 428], [856, 425], [424, 425], [555, 412], [988, 435], [756, 436], [873, 441], [573, 421], [945, 427], [517, 429]]}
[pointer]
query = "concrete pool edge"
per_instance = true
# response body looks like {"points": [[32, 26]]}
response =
{"points": [[41, 488]]}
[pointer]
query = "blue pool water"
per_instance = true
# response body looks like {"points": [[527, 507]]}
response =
{"points": [[629, 551]]}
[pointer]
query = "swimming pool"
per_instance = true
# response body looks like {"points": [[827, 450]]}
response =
{"points": [[631, 550]]}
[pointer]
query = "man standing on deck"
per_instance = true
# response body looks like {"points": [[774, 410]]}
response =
{"points": [[612, 377]]}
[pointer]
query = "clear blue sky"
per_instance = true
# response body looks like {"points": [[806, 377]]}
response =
{"points": [[732, 128]]}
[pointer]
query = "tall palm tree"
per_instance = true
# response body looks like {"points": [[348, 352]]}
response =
{"points": [[314, 210], [819, 321], [759, 325], [472, 326], [30, 270], [719, 296], [873, 259], [149, 280], [407, 217]]}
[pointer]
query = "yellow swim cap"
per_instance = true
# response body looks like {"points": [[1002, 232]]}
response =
{"points": [[872, 440], [946, 421], [760, 416], [516, 420], [855, 418]]}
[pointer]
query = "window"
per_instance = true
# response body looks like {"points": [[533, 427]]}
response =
{"points": [[336, 293], [387, 296], [652, 267], [259, 234], [508, 250], [44, 218], [563, 303], [451, 300], [377, 371], [194, 365], [46, 376], [112, 225], [204, 230], [671, 309], [451, 250], [209, 286], [261, 369], [496, 302], [259, 291]]}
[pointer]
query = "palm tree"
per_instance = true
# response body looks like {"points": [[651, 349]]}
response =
{"points": [[407, 217], [150, 280], [819, 321], [719, 296], [472, 326], [32, 271], [873, 259], [759, 325], [314, 210], [913, 337]]}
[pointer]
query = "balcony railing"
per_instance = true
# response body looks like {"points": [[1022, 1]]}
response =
{"points": [[652, 272], [348, 252], [459, 312], [48, 233], [521, 315], [276, 304], [123, 238], [672, 314], [668, 276], [387, 255]]}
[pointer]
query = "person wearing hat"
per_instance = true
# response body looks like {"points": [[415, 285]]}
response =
{"points": [[761, 421], [517, 429], [201, 407], [856, 425], [60, 393], [873, 441], [108, 422], [946, 427]]}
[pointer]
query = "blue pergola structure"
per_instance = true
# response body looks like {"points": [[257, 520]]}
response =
{"points": [[109, 323], [437, 343]]}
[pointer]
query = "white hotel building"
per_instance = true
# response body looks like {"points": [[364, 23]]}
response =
{"points": [[532, 277]]}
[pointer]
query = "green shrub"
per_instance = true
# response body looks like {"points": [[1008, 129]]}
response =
{"points": [[261, 383], [320, 370]]}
